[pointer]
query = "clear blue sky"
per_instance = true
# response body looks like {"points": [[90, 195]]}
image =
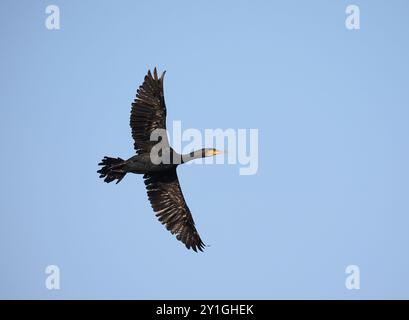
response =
{"points": [[331, 106]]}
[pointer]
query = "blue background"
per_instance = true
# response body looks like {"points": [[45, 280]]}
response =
{"points": [[331, 106]]}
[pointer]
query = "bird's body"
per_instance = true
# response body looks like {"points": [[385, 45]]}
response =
{"points": [[158, 165], [141, 164]]}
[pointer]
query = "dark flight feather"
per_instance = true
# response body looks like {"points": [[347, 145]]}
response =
{"points": [[166, 198], [148, 112]]}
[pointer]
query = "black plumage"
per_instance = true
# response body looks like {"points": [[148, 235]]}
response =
{"points": [[148, 114]]}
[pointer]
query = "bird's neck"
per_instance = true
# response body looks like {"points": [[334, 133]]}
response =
{"points": [[192, 156]]}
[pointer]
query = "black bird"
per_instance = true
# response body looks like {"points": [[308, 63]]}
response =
{"points": [[148, 116]]}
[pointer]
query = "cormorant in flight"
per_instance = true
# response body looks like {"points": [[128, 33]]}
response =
{"points": [[148, 114]]}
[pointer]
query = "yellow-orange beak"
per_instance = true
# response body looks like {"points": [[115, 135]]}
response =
{"points": [[216, 152], [213, 152]]}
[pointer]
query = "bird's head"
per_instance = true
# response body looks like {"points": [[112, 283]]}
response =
{"points": [[202, 153], [210, 152]]}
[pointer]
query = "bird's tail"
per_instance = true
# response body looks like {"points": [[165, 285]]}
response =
{"points": [[112, 169]]}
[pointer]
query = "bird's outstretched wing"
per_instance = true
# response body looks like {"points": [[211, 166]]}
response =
{"points": [[148, 112], [168, 202]]}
